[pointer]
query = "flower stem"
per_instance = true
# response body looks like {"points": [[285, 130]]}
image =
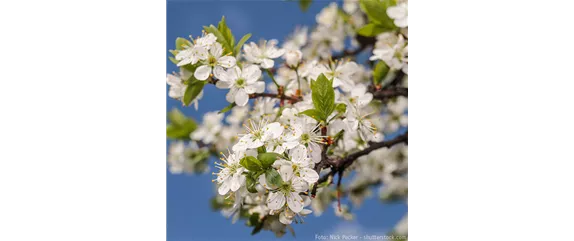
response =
{"points": [[272, 77]]}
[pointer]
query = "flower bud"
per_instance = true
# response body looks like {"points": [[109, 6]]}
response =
{"points": [[292, 57]]}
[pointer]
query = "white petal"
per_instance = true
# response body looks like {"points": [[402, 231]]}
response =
{"points": [[275, 53], [202, 72], [315, 151], [309, 175], [299, 185], [224, 188], [241, 97], [283, 219], [267, 63], [295, 202], [273, 130], [275, 201], [298, 154], [216, 50], [286, 173], [305, 212], [230, 97], [220, 73], [290, 144], [236, 181], [401, 22], [226, 61], [251, 73], [396, 12], [223, 84], [259, 86], [250, 89], [365, 99], [263, 181]]}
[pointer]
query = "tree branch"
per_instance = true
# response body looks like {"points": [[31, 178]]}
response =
{"points": [[390, 92], [341, 164]]}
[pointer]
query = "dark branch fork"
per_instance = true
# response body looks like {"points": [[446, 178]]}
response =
{"points": [[338, 165]]}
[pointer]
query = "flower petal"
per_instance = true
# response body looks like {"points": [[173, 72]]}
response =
{"points": [[309, 175], [202, 72], [286, 173], [273, 130], [224, 188], [295, 202], [241, 97], [226, 61], [251, 73], [267, 63], [283, 218], [275, 201], [298, 154], [230, 97], [216, 50]]}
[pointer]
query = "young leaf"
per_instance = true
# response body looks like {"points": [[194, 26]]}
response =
{"points": [[180, 43], [379, 72], [371, 30], [240, 44], [315, 114], [273, 178], [228, 108], [250, 163], [250, 184], [267, 159], [376, 10], [323, 96], [180, 126], [226, 32], [192, 91], [304, 4], [341, 108]]}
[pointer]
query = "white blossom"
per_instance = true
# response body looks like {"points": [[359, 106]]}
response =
{"points": [[214, 60], [263, 54], [240, 82]]}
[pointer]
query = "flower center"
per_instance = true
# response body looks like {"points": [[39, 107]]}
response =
{"points": [[240, 83], [305, 138], [211, 60]]}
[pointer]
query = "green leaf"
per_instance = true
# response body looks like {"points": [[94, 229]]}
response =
{"points": [[304, 4], [379, 72], [172, 59], [228, 108], [181, 43], [251, 163], [257, 228], [323, 96], [180, 126], [226, 32], [273, 178], [192, 91], [376, 10], [239, 45], [371, 30], [315, 114], [341, 108], [254, 219], [250, 184], [267, 159]]}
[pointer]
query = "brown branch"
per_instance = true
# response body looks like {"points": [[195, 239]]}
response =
{"points": [[291, 99], [390, 92], [339, 165]]}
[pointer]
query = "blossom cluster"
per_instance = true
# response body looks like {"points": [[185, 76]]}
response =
{"points": [[317, 103]]}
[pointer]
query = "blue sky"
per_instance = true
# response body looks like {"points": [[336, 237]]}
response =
{"points": [[189, 216]]}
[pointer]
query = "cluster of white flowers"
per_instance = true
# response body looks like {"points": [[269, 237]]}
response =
{"points": [[276, 146]]}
